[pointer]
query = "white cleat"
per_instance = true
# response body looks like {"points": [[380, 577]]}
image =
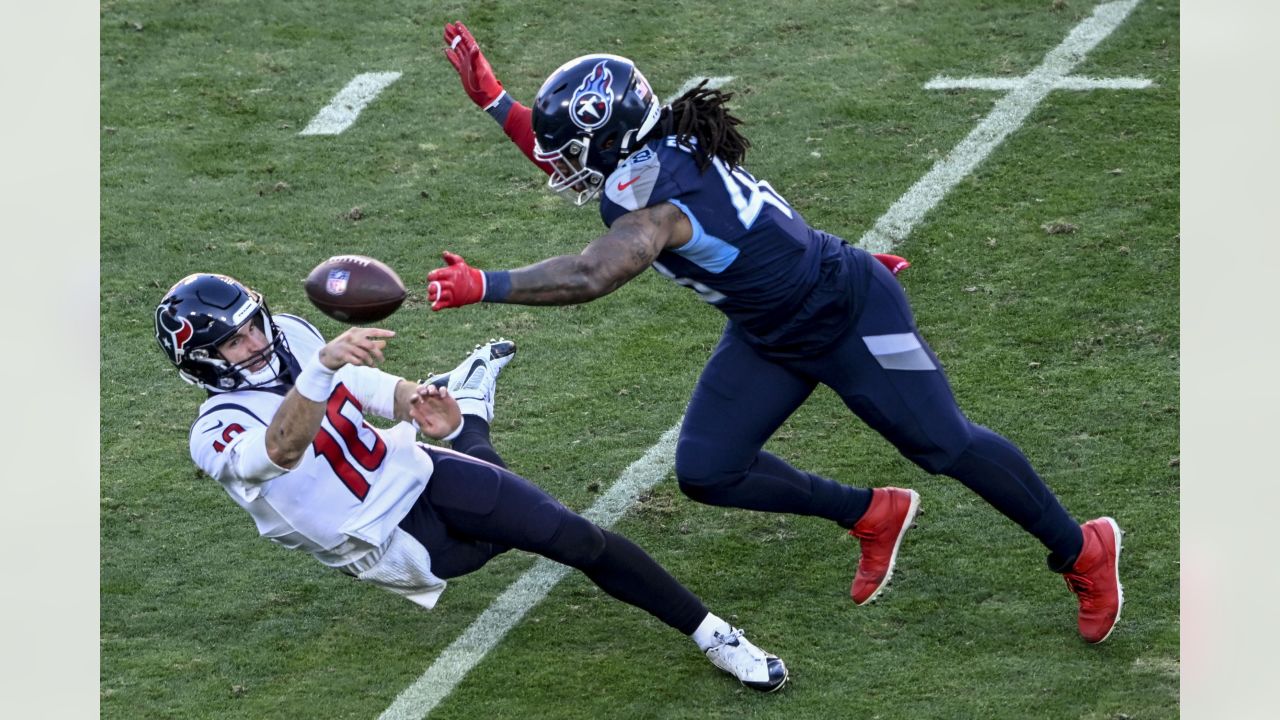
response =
{"points": [[473, 382], [753, 667]]}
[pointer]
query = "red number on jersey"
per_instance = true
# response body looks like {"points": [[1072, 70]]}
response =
{"points": [[328, 447], [232, 430]]}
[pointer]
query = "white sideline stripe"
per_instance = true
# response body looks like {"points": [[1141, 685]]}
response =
{"points": [[712, 84], [510, 607], [1008, 115], [347, 104], [1072, 82], [484, 633]]}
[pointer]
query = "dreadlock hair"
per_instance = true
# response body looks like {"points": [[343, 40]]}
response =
{"points": [[701, 114]]}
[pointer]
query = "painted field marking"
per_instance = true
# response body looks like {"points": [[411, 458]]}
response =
{"points": [[1008, 115], [712, 84], [508, 609], [345, 107], [1072, 82]]}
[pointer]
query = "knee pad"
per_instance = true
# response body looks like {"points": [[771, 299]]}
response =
{"points": [[940, 458], [557, 533]]}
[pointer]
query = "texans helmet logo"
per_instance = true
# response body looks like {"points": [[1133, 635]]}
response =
{"points": [[178, 336], [592, 102]]}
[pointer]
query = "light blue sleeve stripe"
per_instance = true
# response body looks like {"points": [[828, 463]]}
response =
{"points": [[706, 251]]}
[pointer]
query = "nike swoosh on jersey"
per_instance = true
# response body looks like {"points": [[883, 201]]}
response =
{"points": [[627, 184], [211, 428]]}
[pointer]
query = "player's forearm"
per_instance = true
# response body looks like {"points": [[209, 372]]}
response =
{"points": [[563, 280], [293, 428], [297, 421], [405, 392], [517, 122]]}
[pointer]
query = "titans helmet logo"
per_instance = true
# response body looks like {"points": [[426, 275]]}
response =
{"points": [[592, 102]]}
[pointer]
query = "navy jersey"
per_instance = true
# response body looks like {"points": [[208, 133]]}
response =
{"points": [[787, 288]]}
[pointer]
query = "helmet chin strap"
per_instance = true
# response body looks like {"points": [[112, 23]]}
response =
{"points": [[269, 374]]}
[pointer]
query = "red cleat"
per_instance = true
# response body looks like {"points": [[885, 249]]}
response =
{"points": [[1095, 579], [880, 531]]}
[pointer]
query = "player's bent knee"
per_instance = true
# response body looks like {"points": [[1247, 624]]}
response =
{"points": [[703, 479], [696, 471], [710, 492], [693, 491]]}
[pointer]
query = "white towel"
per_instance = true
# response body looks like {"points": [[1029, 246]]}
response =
{"points": [[403, 567]]}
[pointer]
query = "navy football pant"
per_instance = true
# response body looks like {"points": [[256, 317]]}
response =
{"points": [[474, 441], [472, 511], [890, 378]]}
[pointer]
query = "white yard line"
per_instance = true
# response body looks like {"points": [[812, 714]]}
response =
{"points": [[508, 609], [347, 104], [712, 84], [1071, 82], [1008, 115]]}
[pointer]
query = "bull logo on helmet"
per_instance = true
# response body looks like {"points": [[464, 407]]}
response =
{"points": [[179, 335], [592, 102]]}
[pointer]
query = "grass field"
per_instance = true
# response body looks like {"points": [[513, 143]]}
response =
{"points": [[1067, 342]]}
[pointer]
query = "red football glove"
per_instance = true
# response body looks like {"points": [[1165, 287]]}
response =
{"points": [[454, 285], [477, 77], [893, 262]]}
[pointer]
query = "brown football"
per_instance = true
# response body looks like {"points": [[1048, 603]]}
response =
{"points": [[355, 289]]}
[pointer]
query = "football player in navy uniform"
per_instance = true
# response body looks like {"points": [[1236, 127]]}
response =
{"points": [[283, 431], [804, 307]]}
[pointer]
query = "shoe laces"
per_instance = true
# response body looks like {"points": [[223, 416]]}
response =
{"points": [[731, 638], [864, 534], [1082, 586]]}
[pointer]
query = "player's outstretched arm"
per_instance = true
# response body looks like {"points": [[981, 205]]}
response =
{"points": [[630, 246], [484, 89], [296, 422]]}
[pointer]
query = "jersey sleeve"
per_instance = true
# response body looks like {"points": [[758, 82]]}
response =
{"points": [[304, 339], [229, 442], [645, 179], [375, 389]]}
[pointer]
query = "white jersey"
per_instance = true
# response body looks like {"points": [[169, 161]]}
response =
{"points": [[344, 501]]}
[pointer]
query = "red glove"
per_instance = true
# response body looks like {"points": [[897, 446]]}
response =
{"points": [[893, 262], [454, 285], [464, 54]]}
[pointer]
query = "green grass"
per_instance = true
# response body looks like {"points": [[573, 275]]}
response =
{"points": [[1066, 343]]}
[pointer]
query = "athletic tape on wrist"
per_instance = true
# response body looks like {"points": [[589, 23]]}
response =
{"points": [[315, 382]]}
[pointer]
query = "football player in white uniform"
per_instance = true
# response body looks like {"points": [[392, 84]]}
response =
{"points": [[283, 431]]}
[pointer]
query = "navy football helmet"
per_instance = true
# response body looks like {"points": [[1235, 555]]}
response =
{"points": [[589, 116], [202, 311]]}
